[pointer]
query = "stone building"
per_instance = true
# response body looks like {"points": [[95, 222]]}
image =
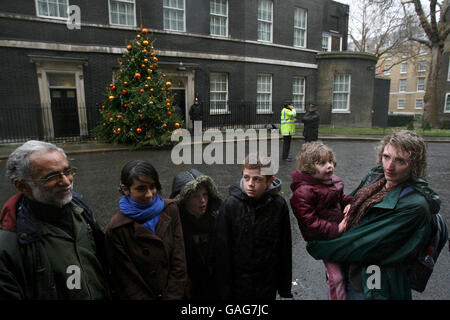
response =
{"points": [[243, 59]]}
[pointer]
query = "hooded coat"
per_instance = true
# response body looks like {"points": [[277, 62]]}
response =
{"points": [[253, 249], [318, 205], [391, 235], [197, 231]]}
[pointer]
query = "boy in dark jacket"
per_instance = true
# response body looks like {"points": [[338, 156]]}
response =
{"points": [[253, 250], [318, 201]]}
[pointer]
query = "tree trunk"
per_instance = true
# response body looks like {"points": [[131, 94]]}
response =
{"points": [[430, 99]]}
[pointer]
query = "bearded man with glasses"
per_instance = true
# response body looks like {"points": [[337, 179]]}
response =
{"points": [[50, 245]]}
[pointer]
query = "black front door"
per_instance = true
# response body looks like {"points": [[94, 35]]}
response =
{"points": [[65, 112], [180, 102]]}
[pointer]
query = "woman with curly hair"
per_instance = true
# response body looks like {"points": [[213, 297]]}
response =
{"points": [[388, 224]]}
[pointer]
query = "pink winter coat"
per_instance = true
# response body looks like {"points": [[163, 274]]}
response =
{"points": [[318, 205]]}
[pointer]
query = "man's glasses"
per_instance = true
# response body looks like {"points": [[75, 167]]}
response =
{"points": [[54, 177]]}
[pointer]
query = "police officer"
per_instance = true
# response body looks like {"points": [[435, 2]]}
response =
{"points": [[287, 128], [311, 122]]}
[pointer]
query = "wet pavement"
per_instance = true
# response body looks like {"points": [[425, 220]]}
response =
{"points": [[98, 179]]}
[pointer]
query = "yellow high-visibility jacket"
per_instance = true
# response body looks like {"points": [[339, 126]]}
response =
{"points": [[287, 122]]}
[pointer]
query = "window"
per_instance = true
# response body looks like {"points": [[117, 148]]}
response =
{"points": [[325, 41], [423, 50], [265, 14], [300, 19], [218, 83], [264, 93], [298, 94], [401, 104], [122, 12], [421, 84], [402, 85], [405, 54], [419, 104], [341, 92], [173, 15], [388, 56], [52, 8], [404, 67], [447, 102], [218, 24], [422, 67], [448, 73], [387, 70]]}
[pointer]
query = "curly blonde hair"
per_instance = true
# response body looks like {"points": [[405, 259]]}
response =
{"points": [[313, 153], [412, 144]]}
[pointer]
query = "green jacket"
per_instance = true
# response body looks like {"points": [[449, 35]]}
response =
{"points": [[390, 236], [287, 122]]}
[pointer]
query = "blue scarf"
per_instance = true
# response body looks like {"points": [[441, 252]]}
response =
{"points": [[145, 214]]}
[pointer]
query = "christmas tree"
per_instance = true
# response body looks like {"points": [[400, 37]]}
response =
{"points": [[138, 106]]}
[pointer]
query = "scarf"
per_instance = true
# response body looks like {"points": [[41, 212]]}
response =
{"points": [[144, 214], [363, 200]]}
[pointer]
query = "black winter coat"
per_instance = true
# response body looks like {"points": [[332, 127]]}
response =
{"points": [[252, 249], [311, 128]]}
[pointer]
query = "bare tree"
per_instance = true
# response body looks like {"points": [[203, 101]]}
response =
{"points": [[378, 27], [433, 20]]}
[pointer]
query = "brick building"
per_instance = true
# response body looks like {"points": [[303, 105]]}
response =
{"points": [[239, 57]]}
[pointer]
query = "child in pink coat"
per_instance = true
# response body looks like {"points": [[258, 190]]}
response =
{"points": [[318, 203]]}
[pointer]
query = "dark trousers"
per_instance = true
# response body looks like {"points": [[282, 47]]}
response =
{"points": [[286, 146]]}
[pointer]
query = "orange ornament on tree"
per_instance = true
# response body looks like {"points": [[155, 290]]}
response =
{"points": [[145, 43], [177, 125], [144, 30], [142, 91], [169, 113], [138, 130], [137, 75], [129, 47]]}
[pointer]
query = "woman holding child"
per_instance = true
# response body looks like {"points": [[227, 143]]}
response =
{"points": [[388, 223]]}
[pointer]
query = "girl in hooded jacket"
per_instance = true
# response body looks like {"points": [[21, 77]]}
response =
{"points": [[144, 239], [198, 200], [317, 202]]}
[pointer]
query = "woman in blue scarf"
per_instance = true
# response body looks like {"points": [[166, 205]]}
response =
{"points": [[144, 239]]}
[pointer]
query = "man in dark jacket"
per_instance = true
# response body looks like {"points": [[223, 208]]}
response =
{"points": [[252, 249], [311, 124], [195, 112], [50, 245]]}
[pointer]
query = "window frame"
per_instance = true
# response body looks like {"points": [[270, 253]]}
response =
{"points": [[398, 104], [418, 81], [215, 110], [164, 7], [387, 70], [38, 14], [348, 93], [400, 81], [422, 63], [270, 93], [447, 103], [120, 24], [301, 29], [421, 104], [302, 94], [211, 15], [260, 21], [404, 67]]}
